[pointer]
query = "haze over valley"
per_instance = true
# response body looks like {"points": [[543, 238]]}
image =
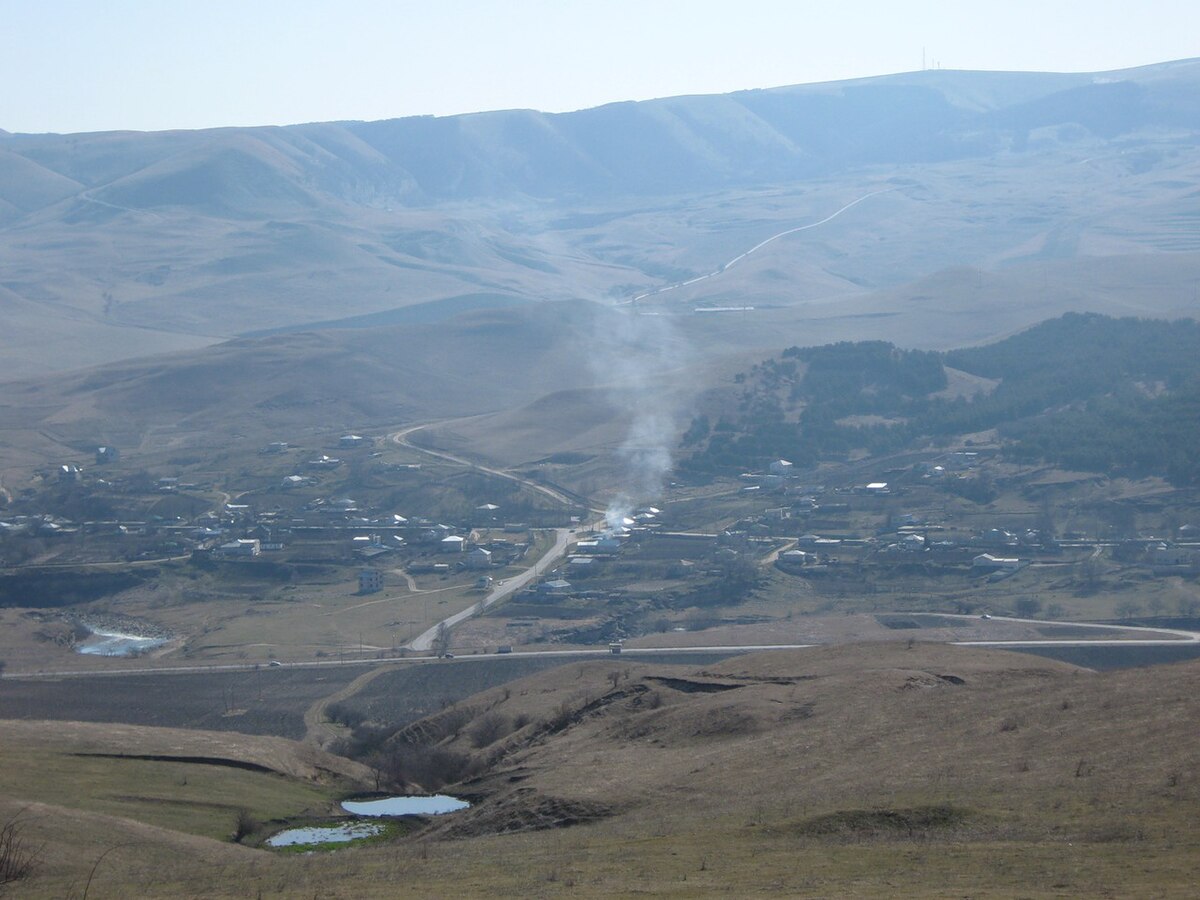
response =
{"points": [[789, 491]]}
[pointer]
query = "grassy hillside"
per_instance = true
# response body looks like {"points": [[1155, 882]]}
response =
{"points": [[122, 244], [192, 782], [903, 769]]}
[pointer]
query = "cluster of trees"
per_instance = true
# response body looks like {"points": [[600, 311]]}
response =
{"points": [[1084, 390]]}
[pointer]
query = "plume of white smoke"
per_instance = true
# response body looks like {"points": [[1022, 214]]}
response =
{"points": [[637, 359]]}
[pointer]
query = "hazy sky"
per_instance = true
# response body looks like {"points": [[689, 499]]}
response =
{"points": [[89, 65]]}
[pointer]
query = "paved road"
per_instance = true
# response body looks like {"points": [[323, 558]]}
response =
{"points": [[1177, 638], [563, 537], [401, 437], [741, 256]]}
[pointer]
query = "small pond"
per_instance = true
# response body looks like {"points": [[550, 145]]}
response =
{"points": [[324, 834], [436, 805], [114, 643]]}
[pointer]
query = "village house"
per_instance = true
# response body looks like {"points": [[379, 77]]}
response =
{"points": [[557, 588], [997, 537], [485, 514], [478, 558], [985, 562], [452, 544], [795, 558], [1165, 556], [961, 459], [581, 565], [780, 467], [370, 581], [242, 548], [813, 541]]}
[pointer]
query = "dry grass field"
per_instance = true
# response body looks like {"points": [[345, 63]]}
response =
{"points": [[859, 771], [560, 308]]}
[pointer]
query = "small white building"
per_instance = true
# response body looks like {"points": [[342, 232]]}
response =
{"points": [[351, 440], [780, 467], [985, 562], [242, 547], [795, 558], [452, 544]]}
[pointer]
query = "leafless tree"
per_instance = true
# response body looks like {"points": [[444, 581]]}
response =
{"points": [[18, 860], [441, 643]]}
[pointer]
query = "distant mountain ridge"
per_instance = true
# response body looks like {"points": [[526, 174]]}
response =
{"points": [[122, 244], [659, 146]]}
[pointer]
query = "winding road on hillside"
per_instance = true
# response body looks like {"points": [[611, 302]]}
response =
{"points": [[1176, 638], [563, 538], [741, 256], [401, 437]]}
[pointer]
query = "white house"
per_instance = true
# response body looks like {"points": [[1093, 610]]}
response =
{"points": [[794, 558], [242, 547], [780, 467], [452, 544], [985, 562]]}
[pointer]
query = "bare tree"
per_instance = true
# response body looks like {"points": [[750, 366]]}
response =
{"points": [[17, 859], [441, 643]]}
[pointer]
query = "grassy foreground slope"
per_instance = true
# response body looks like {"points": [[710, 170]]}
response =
{"points": [[191, 781], [895, 770]]}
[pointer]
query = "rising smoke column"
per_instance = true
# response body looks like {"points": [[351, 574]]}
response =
{"points": [[636, 359]]}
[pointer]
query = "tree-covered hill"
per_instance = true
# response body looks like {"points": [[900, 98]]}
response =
{"points": [[1083, 390]]}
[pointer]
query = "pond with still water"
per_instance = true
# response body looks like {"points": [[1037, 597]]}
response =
{"points": [[116, 643], [325, 834], [436, 805]]}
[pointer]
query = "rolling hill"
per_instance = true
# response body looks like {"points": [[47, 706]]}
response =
{"points": [[122, 244], [897, 769]]}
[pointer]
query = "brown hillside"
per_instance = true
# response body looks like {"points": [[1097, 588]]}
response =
{"points": [[880, 771]]}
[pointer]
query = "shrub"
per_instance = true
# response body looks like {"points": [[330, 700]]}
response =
{"points": [[244, 825], [489, 728], [17, 859]]}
